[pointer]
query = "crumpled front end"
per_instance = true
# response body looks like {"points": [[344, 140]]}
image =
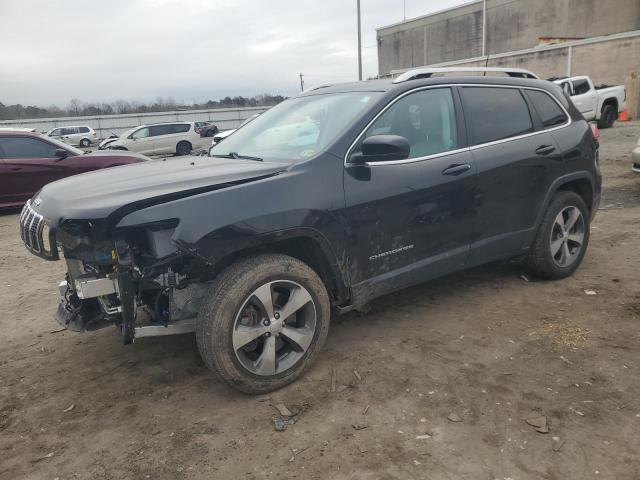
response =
{"points": [[134, 278]]}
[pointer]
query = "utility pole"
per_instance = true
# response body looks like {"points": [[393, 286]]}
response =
{"points": [[359, 44], [404, 9], [301, 82], [484, 27]]}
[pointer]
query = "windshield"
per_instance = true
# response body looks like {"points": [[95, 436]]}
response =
{"points": [[296, 129], [66, 146]]}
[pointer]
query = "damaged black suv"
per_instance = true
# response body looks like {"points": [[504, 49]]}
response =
{"points": [[326, 201]]}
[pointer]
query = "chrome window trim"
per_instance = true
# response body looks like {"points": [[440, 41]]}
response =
{"points": [[459, 150]]}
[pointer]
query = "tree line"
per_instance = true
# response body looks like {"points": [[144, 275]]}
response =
{"points": [[78, 108]]}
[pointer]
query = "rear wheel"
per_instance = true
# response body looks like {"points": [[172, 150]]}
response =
{"points": [[85, 143], [608, 116], [562, 239], [183, 148], [263, 323]]}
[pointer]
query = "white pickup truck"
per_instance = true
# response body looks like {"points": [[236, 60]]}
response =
{"points": [[595, 103]]}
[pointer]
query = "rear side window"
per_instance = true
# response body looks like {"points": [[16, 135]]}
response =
{"points": [[83, 129], [181, 127], [157, 130], [580, 87], [495, 113], [24, 147], [548, 109]]}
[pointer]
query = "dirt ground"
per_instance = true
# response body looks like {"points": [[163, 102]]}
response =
{"points": [[449, 373]]}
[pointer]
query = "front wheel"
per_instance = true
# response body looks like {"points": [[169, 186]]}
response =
{"points": [[562, 239], [263, 323]]}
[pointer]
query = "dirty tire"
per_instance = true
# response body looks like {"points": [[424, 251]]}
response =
{"points": [[540, 260], [608, 116], [85, 143], [183, 148], [227, 295]]}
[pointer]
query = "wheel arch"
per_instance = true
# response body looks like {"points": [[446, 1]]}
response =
{"points": [[578, 182], [304, 244], [610, 101]]}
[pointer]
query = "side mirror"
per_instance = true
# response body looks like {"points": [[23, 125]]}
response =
{"points": [[61, 153], [382, 148]]}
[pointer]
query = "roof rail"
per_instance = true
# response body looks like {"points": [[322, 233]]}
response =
{"points": [[318, 87], [418, 73]]}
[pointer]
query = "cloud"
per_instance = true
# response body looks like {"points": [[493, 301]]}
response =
{"points": [[55, 50]]}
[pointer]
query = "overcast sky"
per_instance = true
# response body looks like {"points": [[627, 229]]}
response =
{"points": [[191, 50]]}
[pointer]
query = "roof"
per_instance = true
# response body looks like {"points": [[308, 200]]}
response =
{"points": [[387, 85]]}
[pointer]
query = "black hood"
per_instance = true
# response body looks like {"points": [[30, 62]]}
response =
{"points": [[97, 195]]}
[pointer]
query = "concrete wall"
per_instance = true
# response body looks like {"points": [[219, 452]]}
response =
{"points": [[104, 125], [446, 36], [612, 62], [518, 24], [511, 25]]}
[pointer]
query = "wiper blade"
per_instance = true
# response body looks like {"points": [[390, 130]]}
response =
{"points": [[237, 156]]}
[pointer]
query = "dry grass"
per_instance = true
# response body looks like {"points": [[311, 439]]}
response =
{"points": [[566, 335]]}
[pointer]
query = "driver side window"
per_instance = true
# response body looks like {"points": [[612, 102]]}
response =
{"points": [[142, 133], [425, 118]]}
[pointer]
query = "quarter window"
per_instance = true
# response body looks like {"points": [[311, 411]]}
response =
{"points": [[425, 118], [495, 113], [83, 129], [23, 147], [548, 109]]}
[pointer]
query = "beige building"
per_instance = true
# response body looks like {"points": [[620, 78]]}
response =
{"points": [[599, 38]]}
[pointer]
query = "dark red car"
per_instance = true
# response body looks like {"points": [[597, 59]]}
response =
{"points": [[28, 161]]}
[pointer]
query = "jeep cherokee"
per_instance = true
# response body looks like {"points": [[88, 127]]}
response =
{"points": [[330, 199]]}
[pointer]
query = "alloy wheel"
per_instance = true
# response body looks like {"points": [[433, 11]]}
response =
{"points": [[274, 327], [567, 236]]}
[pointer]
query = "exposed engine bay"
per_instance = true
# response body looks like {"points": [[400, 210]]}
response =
{"points": [[141, 281]]}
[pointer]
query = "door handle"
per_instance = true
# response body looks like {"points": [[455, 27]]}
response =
{"points": [[456, 169], [545, 149]]}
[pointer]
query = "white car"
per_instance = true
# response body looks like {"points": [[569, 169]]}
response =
{"points": [[602, 104], [218, 137], [635, 158], [179, 138], [82, 135], [17, 129]]}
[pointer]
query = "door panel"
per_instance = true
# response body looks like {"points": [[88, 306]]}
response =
{"points": [[5, 184], [586, 103], [516, 166], [30, 164], [411, 220], [402, 215], [513, 181]]}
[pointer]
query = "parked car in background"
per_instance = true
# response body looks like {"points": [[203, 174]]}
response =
{"points": [[28, 161], [110, 139], [206, 129], [159, 138], [82, 136], [17, 129], [217, 138], [326, 201], [635, 158], [602, 104]]}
